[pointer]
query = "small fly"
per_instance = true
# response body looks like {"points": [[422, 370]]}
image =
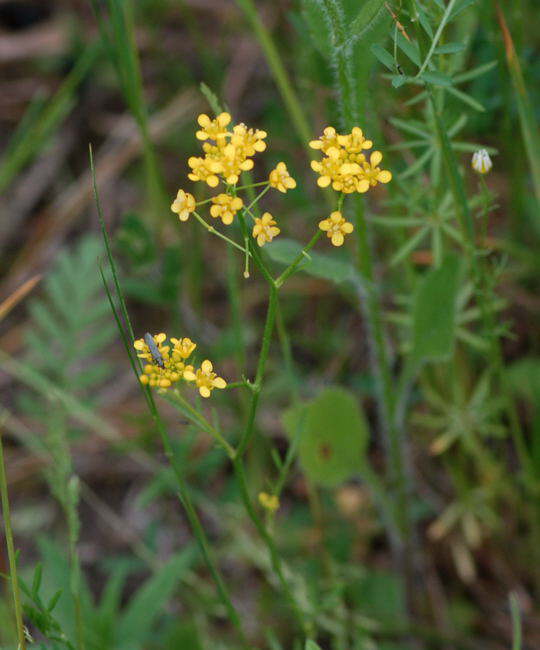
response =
{"points": [[157, 357]]}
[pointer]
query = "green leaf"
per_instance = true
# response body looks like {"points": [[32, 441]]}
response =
{"points": [[383, 56], [333, 436], [315, 15], [366, 18], [437, 78], [450, 48], [333, 267], [398, 80], [311, 645], [148, 604], [434, 311]]}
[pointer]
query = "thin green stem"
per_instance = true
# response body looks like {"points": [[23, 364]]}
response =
{"points": [[213, 231], [516, 622], [261, 365], [275, 557], [196, 525], [250, 185], [203, 423], [298, 259], [256, 200], [254, 252], [12, 557]]}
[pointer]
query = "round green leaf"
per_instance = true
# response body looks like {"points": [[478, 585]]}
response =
{"points": [[333, 438]]}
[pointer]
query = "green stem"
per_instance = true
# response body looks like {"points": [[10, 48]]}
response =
{"points": [[12, 557], [275, 557], [301, 256], [213, 231], [203, 423], [261, 365], [196, 525]]}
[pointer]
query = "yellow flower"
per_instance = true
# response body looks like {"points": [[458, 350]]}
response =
{"points": [[265, 229], [344, 164], [171, 367], [213, 129], [183, 205], [248, 140], [354, 141], [336, 228], [481, 162], [182, 348], [281, 179], [143, 351], [203, 169], [226, 153], [328, 140], [373, 173], [207, 380], [164, 377], [225, 206], [269, 501]]}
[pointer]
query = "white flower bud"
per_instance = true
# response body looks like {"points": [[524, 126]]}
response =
{"points": [[481, 162]]}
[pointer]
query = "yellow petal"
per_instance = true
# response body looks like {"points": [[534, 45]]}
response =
{"points": [[206, 366], [384, 177], [375, 158], [338, 239]]}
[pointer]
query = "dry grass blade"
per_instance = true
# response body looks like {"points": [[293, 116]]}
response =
{"points": [[19, 294], [529, 128]]}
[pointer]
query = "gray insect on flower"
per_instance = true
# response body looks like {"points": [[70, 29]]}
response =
{"points": [[157, 357]]}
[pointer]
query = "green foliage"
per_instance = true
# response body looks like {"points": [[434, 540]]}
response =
{"points": [[138, 620], [329, 266], [70, 324], [43, 118], [434, 311], [333, 436]]}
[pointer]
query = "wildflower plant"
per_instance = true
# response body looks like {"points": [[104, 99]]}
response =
{"points": [[409, 211]]}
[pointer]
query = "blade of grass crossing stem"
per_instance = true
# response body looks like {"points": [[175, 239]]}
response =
{"points": [[42, 124], [529, 128], [14, 580], [515, 613], [183, 492], [108, 247]]}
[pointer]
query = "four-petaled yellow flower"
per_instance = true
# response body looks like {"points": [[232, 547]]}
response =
{"points": [[183, 205], [265, 229], [182, 348], [269, 501], [225, 207], [336, 228], [344, 165], [280, 178], [215, 129], [206, 379]]}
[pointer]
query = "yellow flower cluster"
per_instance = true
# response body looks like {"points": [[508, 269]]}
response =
{"points": [[227, 153], [344, 165], [166, 364], [269, 501]]}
